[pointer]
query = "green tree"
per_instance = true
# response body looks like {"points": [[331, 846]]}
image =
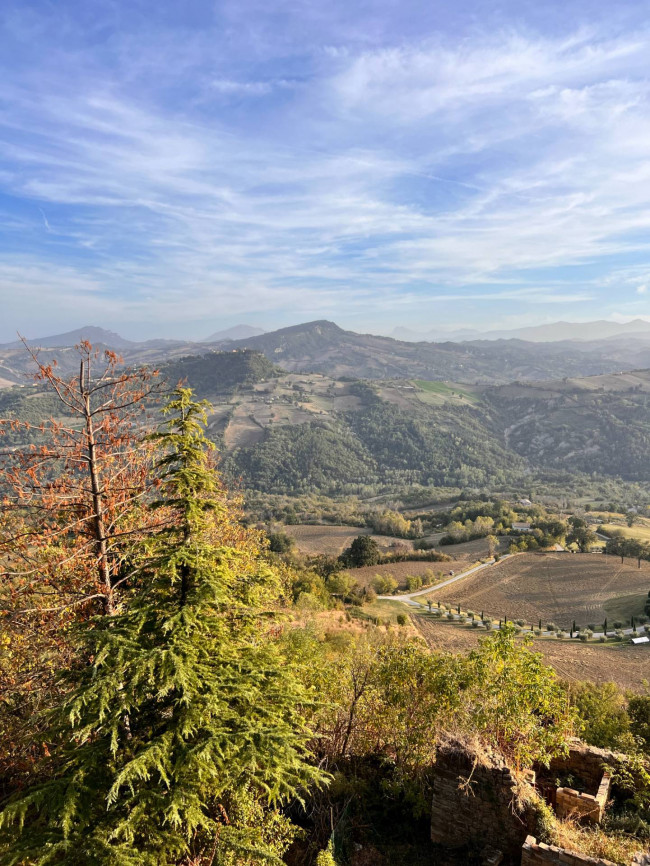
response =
{"points": [[603, 713], [364, 550], [186, 706]]}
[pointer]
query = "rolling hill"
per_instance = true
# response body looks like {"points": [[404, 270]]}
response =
{"points": [[292, 432]]}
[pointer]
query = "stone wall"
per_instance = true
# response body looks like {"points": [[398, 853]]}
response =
{"points": [[571, 803], [587, 762], [537, 854], [474, 803]]}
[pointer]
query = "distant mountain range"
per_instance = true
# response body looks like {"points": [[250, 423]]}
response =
{"points": [[90, 332], [552, 333], [324, 347], [237, 332]]}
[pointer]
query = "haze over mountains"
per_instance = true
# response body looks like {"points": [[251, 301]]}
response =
{"points": [[553, 332], [324, 347]]}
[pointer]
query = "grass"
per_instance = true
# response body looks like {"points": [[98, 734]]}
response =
{"points": [[624, 606], [386, 610], [638, 531], [442, 389], [595, 842]]}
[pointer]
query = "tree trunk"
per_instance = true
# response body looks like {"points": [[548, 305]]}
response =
{"points": [[97, 498]]}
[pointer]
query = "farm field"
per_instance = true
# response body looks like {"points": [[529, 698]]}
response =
{"points": [[639, 531], [629, 666], [553, 587], [469, 552], [430, 572], [332, 540]]}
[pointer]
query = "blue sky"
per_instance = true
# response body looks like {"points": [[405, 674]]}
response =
{"points": [[167, 169]]}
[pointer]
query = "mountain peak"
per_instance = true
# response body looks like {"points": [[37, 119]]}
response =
{"points": [[92, 333]]}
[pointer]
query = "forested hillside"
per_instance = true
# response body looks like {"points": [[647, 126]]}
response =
{"points": [[291, 433]]}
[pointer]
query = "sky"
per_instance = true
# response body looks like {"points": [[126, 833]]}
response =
{"points": [[171, 169]]}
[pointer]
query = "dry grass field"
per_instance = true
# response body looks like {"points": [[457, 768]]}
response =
{"points": [[629, 666], [554, 587]]}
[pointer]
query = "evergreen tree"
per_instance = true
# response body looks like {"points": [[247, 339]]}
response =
{"points": [[184, 707]]}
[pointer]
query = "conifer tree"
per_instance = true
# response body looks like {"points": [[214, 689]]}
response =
{"points": [[185, 706]]}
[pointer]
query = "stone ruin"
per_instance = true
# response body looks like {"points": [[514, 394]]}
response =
{"points": [[479, 803]]}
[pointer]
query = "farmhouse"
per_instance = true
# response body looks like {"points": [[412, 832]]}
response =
{"points": [[521, 527]]}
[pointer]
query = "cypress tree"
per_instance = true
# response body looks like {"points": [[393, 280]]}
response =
{"points": [[185, 702]]}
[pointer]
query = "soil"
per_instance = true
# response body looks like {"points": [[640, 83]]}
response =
{"points": [[629, 666]]}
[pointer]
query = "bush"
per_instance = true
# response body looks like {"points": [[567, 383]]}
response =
{"points": [[590, 632], [488, 624], [462, 618], [550, 626], [413, 582], [618, 624], [450, 615], [583, 636], [384, 584], [475, 623], [561, 634], [618, 635], [602, 638], [402, 619], [521, 622], [538, 632]]}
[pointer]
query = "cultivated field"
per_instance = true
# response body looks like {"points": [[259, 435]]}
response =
{"points": [[332, 540], [554, 587], [629, 666], [430, 572]]}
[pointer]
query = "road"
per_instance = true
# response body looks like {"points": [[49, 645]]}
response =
{"points": [[408, 597]]}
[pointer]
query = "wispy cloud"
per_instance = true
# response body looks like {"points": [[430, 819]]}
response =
{"points": [[349, 180]]}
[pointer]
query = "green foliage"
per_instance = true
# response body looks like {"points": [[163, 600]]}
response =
{"points": [[280, 542], [220, 372], [182, 709], [364, 550], [602, 710], [523, 710], [639, 713], [384, 584], [326, 857]]}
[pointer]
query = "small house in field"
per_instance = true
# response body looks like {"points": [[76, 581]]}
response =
{"points": [[521, 527], [525, 502]]}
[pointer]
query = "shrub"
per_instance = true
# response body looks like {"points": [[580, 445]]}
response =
{"points": [[591, 626], [618, 635], [518, 629], [450, 615], [602, 638], [590, 632], [488, 624], [550, 626], [462, 618], [475, 623], [538, 632], [561, 634], [384, 584], [521, 622], [402, 619], [413, 582], [618, 624], [583, 636]]}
